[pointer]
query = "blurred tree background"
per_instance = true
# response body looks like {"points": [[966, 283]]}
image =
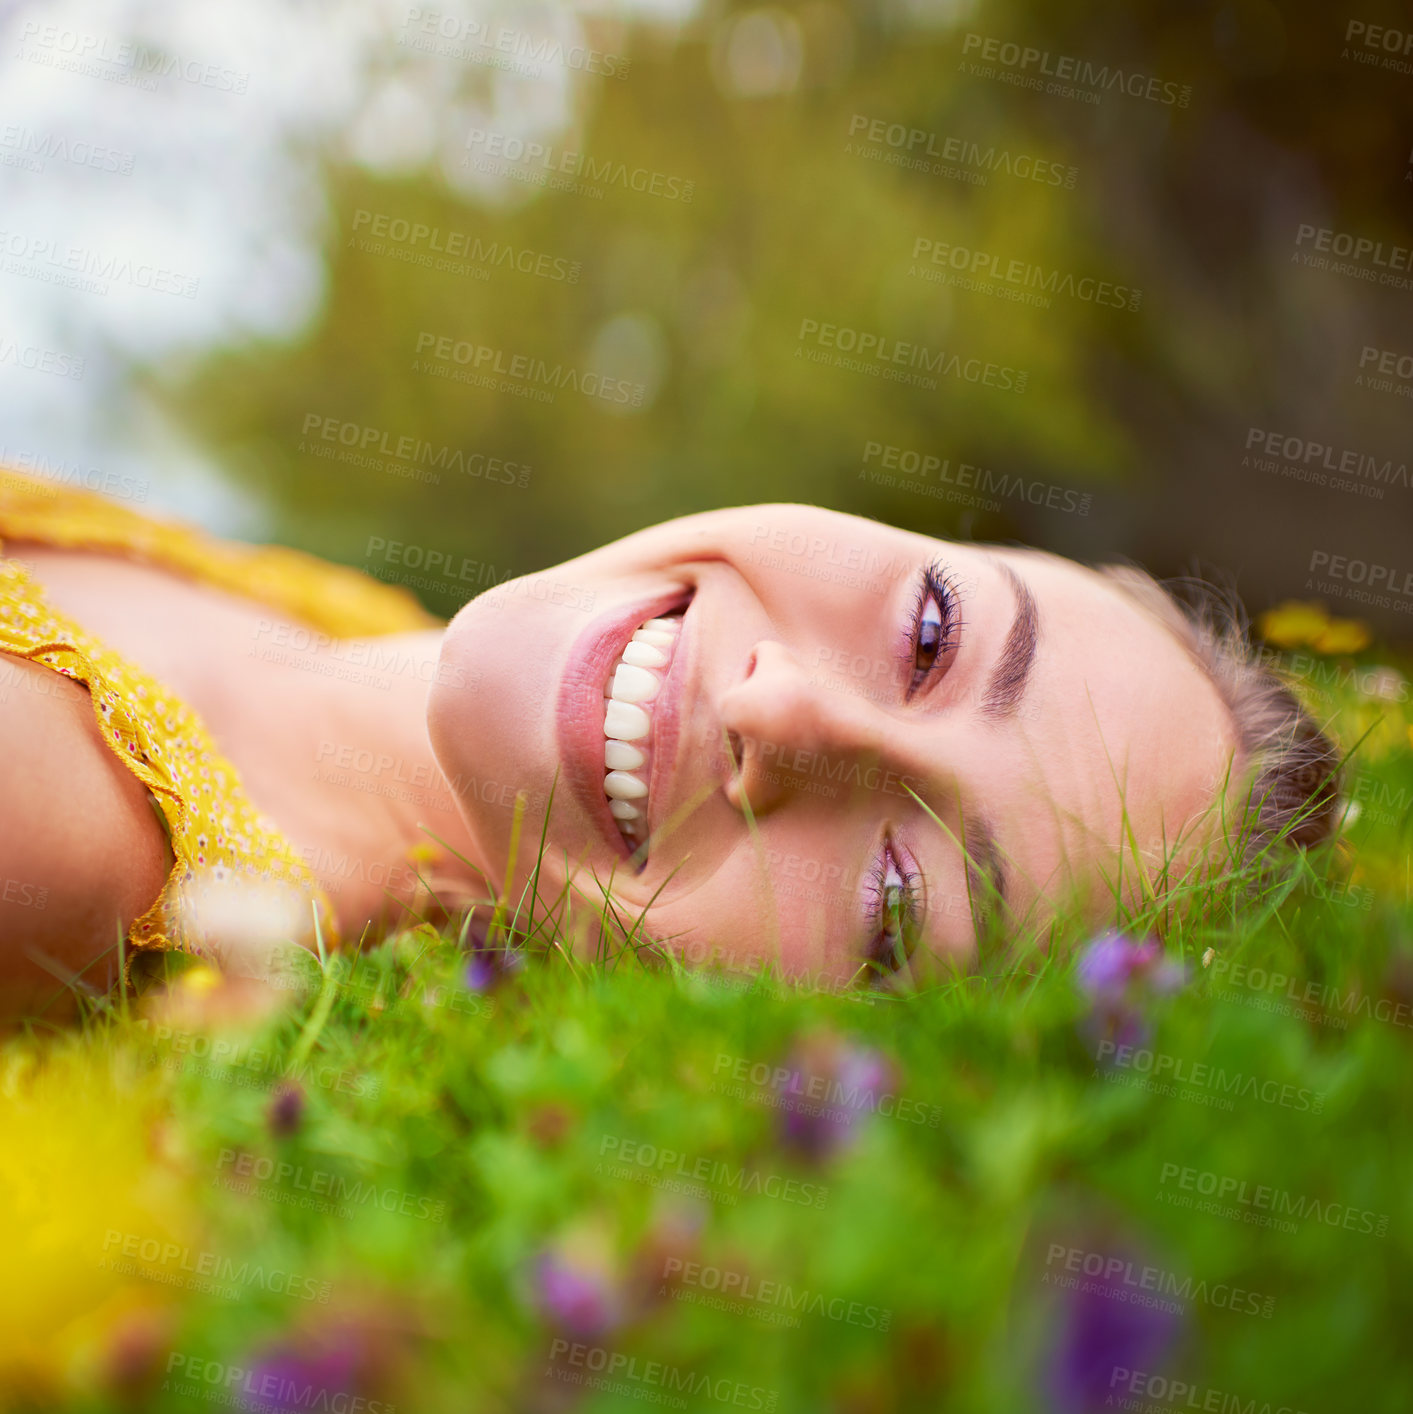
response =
{"points": [[795, 215]]}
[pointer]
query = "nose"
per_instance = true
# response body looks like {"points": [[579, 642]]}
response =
{"points": [[792, 734]]}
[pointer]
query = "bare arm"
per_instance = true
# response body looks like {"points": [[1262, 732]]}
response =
{"points": [[81, 852]]}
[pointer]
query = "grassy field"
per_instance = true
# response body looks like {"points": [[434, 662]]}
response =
{"points": [[1096, 1181]]}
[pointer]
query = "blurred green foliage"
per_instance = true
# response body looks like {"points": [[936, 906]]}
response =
{"points": [[794, 216]]}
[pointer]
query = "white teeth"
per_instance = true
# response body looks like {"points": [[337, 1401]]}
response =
{"points": [[619, 756], [637, 679], [644, 655], [623, 785], [625, 721], [632, 684]]}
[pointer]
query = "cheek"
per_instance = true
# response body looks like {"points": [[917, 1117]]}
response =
{"points": [[741, 920]]}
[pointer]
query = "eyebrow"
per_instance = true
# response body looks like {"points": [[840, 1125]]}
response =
{"points": [[1010, 676], [986, 871]]}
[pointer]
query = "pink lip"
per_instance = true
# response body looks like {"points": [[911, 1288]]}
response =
{"points": [[580, 709]]}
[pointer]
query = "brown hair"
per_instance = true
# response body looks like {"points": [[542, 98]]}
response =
{"points": [[1292, 765]]}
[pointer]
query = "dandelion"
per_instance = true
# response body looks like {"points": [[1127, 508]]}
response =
{"points": [[1308, 625]]}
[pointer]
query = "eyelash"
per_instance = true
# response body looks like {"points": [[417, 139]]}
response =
{"points": [[888, 952], [934, 586]]}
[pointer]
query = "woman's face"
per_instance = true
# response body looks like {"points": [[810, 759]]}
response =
{"points": [[845, 742]]}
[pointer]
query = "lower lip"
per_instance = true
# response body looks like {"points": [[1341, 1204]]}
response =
{"points": [[581, 707]]}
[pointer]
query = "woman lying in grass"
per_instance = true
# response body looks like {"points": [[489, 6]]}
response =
{"points": [[767, 733]]}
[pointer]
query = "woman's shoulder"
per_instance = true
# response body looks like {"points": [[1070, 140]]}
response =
{"points": [[82, 853]]}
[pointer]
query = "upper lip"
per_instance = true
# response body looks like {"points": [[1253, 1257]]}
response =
{"points": [[580, 708]]}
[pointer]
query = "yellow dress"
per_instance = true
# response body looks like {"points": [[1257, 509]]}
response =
{"points": [[215, 830]]}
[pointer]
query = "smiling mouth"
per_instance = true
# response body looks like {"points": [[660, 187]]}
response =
{"points": [[630, 693]]}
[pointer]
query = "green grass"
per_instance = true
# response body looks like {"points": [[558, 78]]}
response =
{"points": [[912, 1259]]}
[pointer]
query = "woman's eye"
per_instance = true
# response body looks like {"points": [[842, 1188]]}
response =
{"points": [[935, 626], [894, 916], [930, 632]]}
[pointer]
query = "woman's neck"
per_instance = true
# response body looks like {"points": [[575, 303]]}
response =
{"points": [[352, 779]]}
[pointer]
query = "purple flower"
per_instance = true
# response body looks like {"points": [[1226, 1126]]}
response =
{"points": [[285, 1110], [480, 973], [577, 1296], [1113, 962], [824, 1092], [1120, 976], [487, 966], [1101, 1329], [296, 1380]]}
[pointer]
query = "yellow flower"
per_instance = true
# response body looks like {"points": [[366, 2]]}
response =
{"points": [[79, 1182], [1342, 636], [423, 853], [1293, 624]]}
